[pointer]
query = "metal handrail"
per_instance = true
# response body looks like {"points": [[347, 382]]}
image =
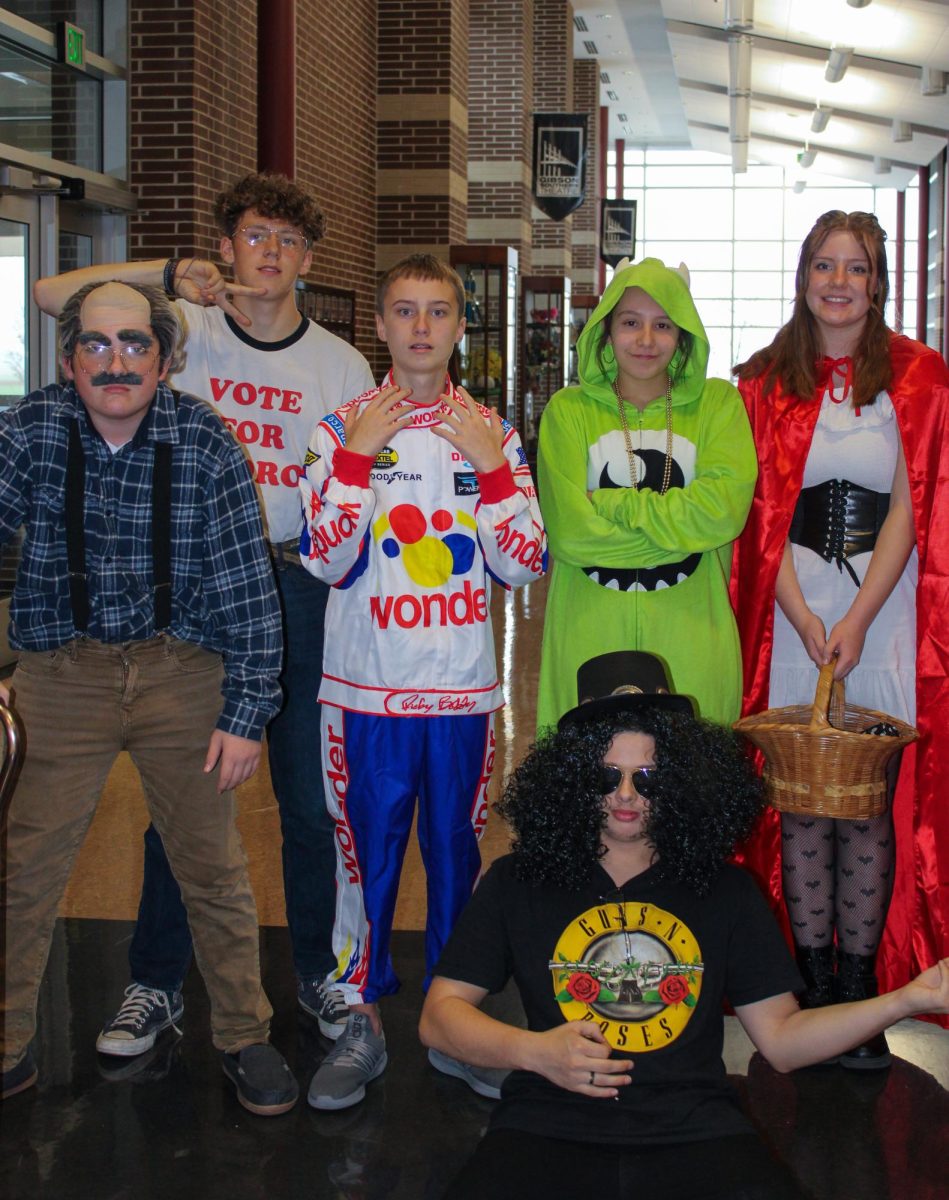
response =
{"points": [[13, 759]]}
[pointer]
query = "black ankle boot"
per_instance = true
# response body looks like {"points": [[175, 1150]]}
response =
{"points": [[856, 981], [816, 964]]}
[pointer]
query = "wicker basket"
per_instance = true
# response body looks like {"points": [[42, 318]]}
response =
{"points": [[817, 759]]}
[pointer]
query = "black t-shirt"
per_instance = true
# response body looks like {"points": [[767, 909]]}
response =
{"points": [[651, 963]]}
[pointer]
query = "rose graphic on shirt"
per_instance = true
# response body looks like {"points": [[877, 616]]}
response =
{"points": [[634, 969], [583, 987]]}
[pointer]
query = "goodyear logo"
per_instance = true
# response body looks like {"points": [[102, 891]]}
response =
{"points": [[386, 459]]}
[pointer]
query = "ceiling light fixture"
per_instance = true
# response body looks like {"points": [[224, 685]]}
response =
{"points": [[739, 93], [799, 185], [806, 157], [837, 63], [881, 166], [932, 82], [902, 131], [740, 14], [858, 3], [820, 118], [740, 118], [739, 64]]}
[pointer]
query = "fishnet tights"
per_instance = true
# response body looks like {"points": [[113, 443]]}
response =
{"points": [[837, 874]]}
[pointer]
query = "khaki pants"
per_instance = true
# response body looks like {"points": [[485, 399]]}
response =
{"points": [[81, 705]]}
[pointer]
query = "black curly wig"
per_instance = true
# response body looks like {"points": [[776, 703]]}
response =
{"points": [[703, 799]]}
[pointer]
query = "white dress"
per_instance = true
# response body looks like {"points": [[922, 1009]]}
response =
{"points": [[862, 448]]}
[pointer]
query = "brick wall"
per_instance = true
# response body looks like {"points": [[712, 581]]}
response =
{"points": [[192, 120], [500, 128], [586, 99], [553, 92], [422, 148], [193, 128], [336, 144]]}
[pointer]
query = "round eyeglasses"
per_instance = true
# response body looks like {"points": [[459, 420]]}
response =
{"points": [[643, 780], [259, 235], [135, 357]]}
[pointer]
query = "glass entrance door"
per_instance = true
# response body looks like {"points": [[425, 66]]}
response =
{"points": [[16, 237]]}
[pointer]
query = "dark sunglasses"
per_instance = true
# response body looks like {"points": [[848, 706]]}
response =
{"points": [[643, 780]]}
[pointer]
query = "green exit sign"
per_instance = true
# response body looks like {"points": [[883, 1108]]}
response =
{"points": [[72, 45]]}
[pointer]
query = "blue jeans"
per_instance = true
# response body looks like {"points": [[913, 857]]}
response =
{"points": [[160, 953]]}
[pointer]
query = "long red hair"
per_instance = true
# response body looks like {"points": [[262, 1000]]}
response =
{"points": [[794, 355]]}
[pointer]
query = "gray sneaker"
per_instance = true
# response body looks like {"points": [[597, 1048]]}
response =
{"points": [[326, 1004], [358, 1058], [486, 1081], [144, 1014]]}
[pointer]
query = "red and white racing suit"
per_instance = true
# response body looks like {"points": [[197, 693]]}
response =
{"points": [[410, 542]]}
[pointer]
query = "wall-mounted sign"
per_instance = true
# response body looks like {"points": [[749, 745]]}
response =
{"points": [[617, 230], [560, 156], [71, 45]]}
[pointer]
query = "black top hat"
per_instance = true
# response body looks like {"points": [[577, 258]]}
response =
{"points": [[623, 681]]}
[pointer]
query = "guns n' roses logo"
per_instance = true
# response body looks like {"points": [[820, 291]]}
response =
{"points": [[634, 969]]}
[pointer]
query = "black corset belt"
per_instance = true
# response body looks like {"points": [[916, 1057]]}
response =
{"points": [[839, 519]]}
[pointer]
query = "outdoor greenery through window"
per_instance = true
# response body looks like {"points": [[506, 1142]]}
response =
{"points": [[740, 235]]}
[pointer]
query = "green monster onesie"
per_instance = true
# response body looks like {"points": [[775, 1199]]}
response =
{"points": [[635, 569]]}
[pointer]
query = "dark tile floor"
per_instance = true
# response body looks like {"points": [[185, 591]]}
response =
{"points": [[170, 1128]]}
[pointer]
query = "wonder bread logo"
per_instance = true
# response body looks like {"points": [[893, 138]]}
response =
{"points": [[634, 969]]}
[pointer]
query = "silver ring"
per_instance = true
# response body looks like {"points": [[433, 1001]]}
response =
{"points": [[592, 1073]]}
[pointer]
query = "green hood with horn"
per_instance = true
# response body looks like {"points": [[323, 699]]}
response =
{"points": [[668, 287]]}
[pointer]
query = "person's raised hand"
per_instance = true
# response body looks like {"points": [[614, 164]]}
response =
{"points": [[375, 424], [464, 427], [200, 282]]}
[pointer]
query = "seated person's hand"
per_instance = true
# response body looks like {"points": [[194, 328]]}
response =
{"points": [[576, 1056]]}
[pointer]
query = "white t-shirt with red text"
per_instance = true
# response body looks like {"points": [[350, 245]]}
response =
{"points": [[271, 395]]}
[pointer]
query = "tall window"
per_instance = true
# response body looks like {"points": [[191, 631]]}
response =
{"points": [[740, 236]]}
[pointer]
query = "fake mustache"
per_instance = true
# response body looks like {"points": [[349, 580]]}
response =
{"points": [[104, 378]]}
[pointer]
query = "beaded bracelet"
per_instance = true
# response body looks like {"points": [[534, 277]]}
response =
{"points": [[168, 277]]}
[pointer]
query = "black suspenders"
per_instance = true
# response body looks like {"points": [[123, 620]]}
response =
{"points": [[76, 537]]}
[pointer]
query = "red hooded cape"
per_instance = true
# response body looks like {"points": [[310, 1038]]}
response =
{"points": [[917, 929]]}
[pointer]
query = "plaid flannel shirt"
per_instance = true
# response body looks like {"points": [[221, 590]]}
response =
{"points": [[223, 592]]}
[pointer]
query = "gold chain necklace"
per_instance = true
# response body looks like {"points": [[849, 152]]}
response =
{"points": [[633, 464]]}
